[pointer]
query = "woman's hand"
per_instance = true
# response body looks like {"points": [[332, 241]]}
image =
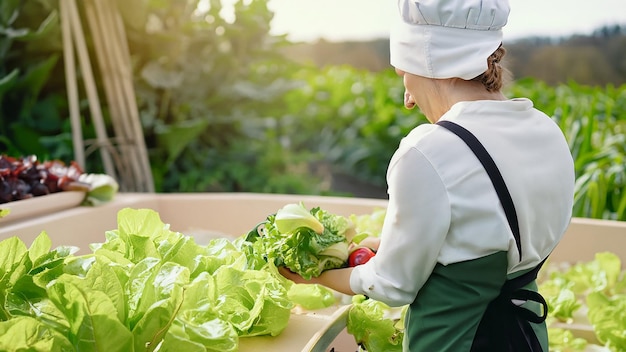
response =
{"points": [[369, 242]]}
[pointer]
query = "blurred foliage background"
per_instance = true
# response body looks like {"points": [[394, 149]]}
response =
{"points": [[227, 107]]}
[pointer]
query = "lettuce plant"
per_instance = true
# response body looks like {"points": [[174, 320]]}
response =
{"points": [[376, 326], [146, 288], [305, 241]]}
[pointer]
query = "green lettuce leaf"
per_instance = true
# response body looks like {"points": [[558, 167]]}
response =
{"points": [[607, 315], [374, 326], [88, 311], [201, 330], [255, 302], [311, 296], [562, 302], [600, 274], [291, 217], [20, 269], [369, 224], [102, 188], [145, 288], [24, 333], [562, 340], [294, 238]]}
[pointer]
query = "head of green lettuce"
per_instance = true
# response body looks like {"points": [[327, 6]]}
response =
{"points": [[307, 242]]}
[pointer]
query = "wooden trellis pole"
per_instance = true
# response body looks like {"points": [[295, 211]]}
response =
{"points": [[127, 147], [74, 40]]}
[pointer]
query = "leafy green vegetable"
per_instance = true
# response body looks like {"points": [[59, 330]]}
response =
{"points": [[88, 312], [102, 188], [562, 340], [293, 216], [565, 290], [562, 302], [311, 296], [600, 274], [305, 241], [23, 274], [146, 288], [24, 333], [374, 326], [607, 315], [369, 224], [596, 288]]}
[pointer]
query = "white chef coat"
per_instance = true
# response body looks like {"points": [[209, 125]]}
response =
{"points": [[443, 207]]}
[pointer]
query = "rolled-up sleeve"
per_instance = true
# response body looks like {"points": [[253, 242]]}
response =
{"points": [[414, 231]]}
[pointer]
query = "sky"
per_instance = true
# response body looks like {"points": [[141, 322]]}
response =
{"points": [[337, 20]]}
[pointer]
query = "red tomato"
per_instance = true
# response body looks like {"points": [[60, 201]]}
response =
{"points": [[360, 256]]}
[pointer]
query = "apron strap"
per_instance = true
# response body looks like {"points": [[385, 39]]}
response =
{"points": [[494, 174], [522, 280]]}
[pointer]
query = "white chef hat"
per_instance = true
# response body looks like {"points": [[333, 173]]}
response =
{"points": [[447, 38]]}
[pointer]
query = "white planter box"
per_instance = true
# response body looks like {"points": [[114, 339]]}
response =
{"points": [[208, 215]]}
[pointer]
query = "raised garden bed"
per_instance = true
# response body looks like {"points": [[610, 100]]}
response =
{"points": [[210, 215]]}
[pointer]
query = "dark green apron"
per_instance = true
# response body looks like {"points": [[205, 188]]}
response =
{"points": [[449, 308], [466, 306]]}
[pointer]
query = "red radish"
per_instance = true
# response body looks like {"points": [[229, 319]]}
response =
{"points": [[360, 256]]}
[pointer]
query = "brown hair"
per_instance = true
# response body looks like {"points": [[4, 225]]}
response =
{"points": [[493, 79]]}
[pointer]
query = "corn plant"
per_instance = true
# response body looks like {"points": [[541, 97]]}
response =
{"points": [[593, 120]]}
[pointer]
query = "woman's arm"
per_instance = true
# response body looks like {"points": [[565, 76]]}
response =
{"points": [[336, 279]]}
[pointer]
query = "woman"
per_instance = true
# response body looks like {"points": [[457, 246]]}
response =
{"points": [[450, 241]]}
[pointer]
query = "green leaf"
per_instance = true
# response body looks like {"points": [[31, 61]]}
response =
{"points": [[608, 317], [177, 340], [27, 334], [140, 229], [312, 296], [40, 247], [102, 188], [36, 77], [201, 293], [254, 302], [291, 217], [139, 280], [88, 311], [174, 138], [198, 325], [563, 305], [25, 34], [27, 136], [564, 340], [50, 266], [599, 274], [110, 278], [306, 242], [370, 325], [12, 251], [183, 251], [202, 328], [14, 267], [9, 11], [8, 82], [159, 305]]}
